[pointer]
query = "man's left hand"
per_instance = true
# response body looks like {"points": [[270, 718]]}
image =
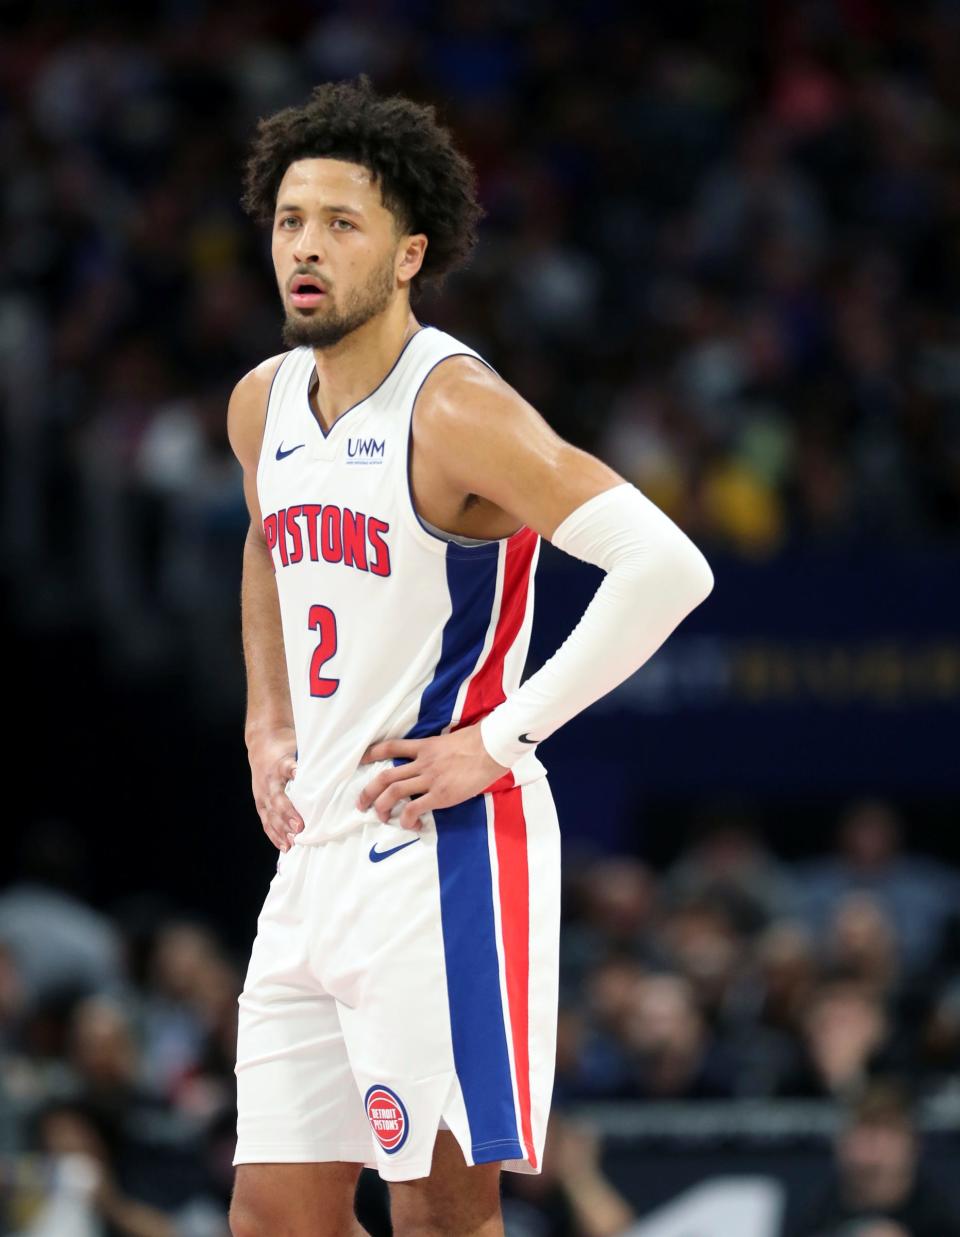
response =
{"points": [[441, 771]]}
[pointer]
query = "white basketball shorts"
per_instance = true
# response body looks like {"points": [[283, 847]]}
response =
{"points": [[402, 983]]}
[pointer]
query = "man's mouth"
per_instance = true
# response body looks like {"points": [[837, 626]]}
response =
{"points": [[306, 291]]}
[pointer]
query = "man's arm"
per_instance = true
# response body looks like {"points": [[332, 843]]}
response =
{"points": [[269, 731], [481, 438]]}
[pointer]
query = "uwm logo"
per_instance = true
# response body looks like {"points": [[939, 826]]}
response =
{"points": [[365, 450]]}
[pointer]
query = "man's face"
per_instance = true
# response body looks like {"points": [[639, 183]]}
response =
{"points": [[336, 251], [877, 1162]]}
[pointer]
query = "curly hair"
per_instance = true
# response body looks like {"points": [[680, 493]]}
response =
{"points": [[424, 181]]}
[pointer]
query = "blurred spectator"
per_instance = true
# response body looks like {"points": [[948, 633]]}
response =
{"points": [[570, 1197], [861, 944], [104, 1106], [767, 1007], [71, 1130], [880, 1187], [12, 997], [102, 1051], [616, 905], [591, 1063], [608, 991], [919, 895], [728, 864], [786, 976], [57, 942], [757, 193], [673, 1054], [940, 1038], [78, 1128], [187, 1017], [698, 939], [847, 1035]]}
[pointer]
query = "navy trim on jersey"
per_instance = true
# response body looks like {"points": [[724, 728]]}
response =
{"points": [[266, 412], [369, 395], [494, 541], [472, 583]]}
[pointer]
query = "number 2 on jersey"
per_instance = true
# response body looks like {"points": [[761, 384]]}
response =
{"points": [[322, 619]]}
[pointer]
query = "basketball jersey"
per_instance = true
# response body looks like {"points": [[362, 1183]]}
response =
{"points": [[390, 630]]}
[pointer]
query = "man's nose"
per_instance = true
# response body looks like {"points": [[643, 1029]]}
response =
{"points": [[308, 247]]}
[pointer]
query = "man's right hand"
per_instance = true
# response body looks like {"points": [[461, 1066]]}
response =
{"points": [[273, 763]]}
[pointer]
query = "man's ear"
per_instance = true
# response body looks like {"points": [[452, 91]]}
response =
{"points": [[410, 256]]}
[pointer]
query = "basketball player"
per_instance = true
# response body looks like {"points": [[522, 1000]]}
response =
{"points": [[399, 1008]]}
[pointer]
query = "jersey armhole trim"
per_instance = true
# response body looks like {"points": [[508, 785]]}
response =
{"points": [[266, 412], [429, 538]]}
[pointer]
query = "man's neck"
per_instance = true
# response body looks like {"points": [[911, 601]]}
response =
{"points": [[349, 371]]}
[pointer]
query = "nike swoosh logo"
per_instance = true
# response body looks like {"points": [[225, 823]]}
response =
{"points": [[525, 738], [377, 855], [282, 455]]}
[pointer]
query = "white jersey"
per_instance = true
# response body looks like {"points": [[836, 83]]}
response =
{"points": [[390, 630]]}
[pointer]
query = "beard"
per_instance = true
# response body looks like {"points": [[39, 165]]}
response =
{"points": [[326, 327]]}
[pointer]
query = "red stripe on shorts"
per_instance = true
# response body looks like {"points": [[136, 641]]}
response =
{"points": [[510, 830]]}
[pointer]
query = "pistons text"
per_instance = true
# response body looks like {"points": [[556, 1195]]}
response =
{"points": [[314, 531]]}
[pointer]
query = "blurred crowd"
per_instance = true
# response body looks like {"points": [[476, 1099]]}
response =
{"points": [[720, 250], [733, 975], [117, 1047], [728, 974]]}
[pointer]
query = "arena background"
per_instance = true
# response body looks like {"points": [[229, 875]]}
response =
{"points": [[721, 250]]}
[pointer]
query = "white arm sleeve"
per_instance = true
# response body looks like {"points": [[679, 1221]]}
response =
{"points": [[655, 577]]}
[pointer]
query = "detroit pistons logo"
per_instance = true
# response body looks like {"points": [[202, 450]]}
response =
{"points": [[388, 1118]]}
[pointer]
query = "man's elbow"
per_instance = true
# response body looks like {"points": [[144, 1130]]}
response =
{"points": [[684, 574], [700, 576]]}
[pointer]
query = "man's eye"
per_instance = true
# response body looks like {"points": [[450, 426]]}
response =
{"points": [[345, 222], [288, 219]]}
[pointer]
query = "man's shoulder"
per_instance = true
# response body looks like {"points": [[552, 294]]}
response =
{"points": [[481, 434], [463, 392], [256, 382]]}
